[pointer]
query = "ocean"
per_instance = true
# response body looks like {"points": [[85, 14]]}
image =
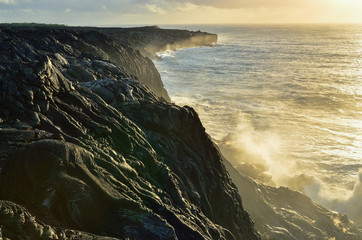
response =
{"points": [[284, 102]]}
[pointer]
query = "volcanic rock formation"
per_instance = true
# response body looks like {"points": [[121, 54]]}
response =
{"points": [[284, 214], [91, 149]]}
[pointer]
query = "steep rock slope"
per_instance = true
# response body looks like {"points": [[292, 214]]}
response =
{"points": [[284, 214], [89, 152], [148, 41], [84, 44], [152, 39]]}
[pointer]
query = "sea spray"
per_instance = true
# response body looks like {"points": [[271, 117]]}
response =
{"points": [[281, 101]]}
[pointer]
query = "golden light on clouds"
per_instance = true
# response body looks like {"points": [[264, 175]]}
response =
{"points": [[259, 11], [182, 11]]}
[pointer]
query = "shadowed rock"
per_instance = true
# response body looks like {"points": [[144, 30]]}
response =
{"points": [[152, 39], [281, 213], [83, 158]]}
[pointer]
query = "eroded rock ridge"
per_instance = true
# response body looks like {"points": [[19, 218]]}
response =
{"points": [[90, 150]]}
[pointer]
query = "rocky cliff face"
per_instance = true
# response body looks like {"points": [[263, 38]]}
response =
{"points": [[88, 151], [82, 46], [284, 214], [152, 39]]}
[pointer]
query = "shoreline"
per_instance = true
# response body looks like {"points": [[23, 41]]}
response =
{"points": [[83, 130], [268, 189], [87, 150]]}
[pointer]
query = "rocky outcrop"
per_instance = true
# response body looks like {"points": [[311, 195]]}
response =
{"points": [[148, 41], [87, 151], [152, 39], [82, 46], [284, 214], [18, 223]]}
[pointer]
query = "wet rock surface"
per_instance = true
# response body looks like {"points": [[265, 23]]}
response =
{"points": [[88, 150], [284, 214]]}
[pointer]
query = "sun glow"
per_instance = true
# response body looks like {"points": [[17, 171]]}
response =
{"points": [[184, 12], [346, 2]]}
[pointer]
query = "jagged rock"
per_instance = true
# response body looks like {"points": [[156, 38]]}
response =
{"points": [[81, 74], [90, 149], [281, 213], [152, 39], [106, 157], [121, 91], [17, 223], [73, 50]]}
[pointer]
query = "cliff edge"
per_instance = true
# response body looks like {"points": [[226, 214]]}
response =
{"points": [[152, 39], [89, 151]]}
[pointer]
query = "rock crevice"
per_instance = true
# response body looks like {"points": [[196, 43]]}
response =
{"points": [[88, 150]]}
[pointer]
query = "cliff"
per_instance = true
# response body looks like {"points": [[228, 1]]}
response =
{"points": [[91, 149], [284, 214], [152, 39]]}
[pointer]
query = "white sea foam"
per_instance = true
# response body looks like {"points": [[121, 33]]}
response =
{"points": [[166, 54], [283, 103]]}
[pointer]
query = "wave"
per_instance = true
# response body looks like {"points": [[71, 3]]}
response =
{"points": [[166, 54], [282, 111]]}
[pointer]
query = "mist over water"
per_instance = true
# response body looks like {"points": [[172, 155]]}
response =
{"points": [[283, 102]]}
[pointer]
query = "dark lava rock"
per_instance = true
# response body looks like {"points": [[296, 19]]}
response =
{"points": [[105, 158], [74, 50], [152, 39], [284, 214]]}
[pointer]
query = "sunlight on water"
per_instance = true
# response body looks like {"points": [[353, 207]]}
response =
{"points": [[284, 102]]}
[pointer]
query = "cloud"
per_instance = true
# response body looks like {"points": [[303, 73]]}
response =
{"points": [[8, 2], [116, 12], [78, 6], [153, 8], [236, 4]]}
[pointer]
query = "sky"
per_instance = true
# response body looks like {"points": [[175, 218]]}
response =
{"points": [[146, 12]]}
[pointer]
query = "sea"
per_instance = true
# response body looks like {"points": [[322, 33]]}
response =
{"points": [[284, 102]]}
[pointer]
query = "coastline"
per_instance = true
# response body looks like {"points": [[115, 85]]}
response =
{"points": [[89, 151], [125, 150], [270, 196]]}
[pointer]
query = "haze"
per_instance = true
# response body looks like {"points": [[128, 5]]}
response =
{"points": [[113, 12]]}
